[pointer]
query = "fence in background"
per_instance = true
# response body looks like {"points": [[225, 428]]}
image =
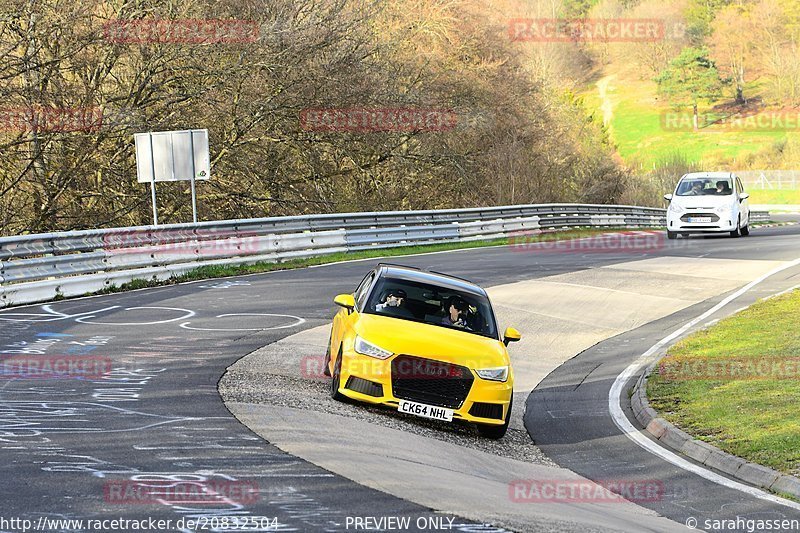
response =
{"points": [[770, 179]]}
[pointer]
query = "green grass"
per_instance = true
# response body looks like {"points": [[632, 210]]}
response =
{"points": [[223, 271], [756, 419], [767, 196], [637, 130]]}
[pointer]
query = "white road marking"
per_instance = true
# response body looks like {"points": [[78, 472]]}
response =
{"points": [[622, 422]]}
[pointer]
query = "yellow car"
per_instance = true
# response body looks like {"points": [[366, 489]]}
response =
{"points": [[424, 343]]}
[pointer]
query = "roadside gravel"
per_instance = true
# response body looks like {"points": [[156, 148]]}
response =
{"points": [[248, 382]]}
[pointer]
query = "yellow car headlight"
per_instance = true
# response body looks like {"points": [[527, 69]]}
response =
{"points": [[499, 373], [367, 348]]}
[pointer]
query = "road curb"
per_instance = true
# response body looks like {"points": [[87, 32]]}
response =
{"points": [[776, 224], [702, 452]]}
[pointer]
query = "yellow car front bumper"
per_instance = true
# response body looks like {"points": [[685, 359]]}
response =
{"points": [[369, 380]]}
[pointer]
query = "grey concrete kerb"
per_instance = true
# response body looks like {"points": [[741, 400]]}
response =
{"points": [[702, 452]]}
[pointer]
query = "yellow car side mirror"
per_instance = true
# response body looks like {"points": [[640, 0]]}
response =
{"points": [[345, 300], [511, 335]]}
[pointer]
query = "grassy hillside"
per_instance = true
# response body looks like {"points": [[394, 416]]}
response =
{"points": [[634, 116], [637, 130]]}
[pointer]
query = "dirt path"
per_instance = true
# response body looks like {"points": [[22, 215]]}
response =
{"points": [[606, 105]]}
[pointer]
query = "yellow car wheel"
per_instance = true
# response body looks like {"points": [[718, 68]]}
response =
{"points": [[326, 370], [336, 379]]}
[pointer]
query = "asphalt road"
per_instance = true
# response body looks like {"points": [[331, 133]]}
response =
{"points": [[67, 445], [157, 417], [568, 417]]}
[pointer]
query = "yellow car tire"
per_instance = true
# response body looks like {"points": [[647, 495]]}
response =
{"points": [[336, 379], [326, 370]]}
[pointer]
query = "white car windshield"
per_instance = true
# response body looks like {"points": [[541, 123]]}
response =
{"points": [[705, 186]]}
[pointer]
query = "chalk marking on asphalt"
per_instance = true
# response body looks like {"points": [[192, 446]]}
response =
{"points": [[47, 411], [622, 422], [187, 314], [51, 315], [297, 322]]}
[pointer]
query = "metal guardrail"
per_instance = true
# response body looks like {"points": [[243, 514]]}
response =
{"points": [[759, 216], [36, 268]]}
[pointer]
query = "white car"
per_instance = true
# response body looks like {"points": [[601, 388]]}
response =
{"points": [[708, 202]]}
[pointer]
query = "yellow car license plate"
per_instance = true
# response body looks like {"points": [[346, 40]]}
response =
{"points": [[425, 411]]}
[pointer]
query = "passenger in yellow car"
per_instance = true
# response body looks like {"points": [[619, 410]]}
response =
{"points": [[457, 313], [393, 304]]}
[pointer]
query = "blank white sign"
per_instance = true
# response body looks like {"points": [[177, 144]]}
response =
{"points": [[171, 154]]}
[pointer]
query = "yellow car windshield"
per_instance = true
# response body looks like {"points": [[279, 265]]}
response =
{"points": [[431, 304]]}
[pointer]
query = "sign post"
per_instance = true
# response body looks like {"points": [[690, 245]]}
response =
{"points": [[194, 171], [172, 156], [153, 182]]}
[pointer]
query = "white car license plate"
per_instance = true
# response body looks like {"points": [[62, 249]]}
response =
{"points": [[425, 411], [699, 220]]}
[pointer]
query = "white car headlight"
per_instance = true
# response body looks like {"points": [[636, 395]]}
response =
{"points": [[675, 208], [723, 209], [499, 373], [367, 348]]}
